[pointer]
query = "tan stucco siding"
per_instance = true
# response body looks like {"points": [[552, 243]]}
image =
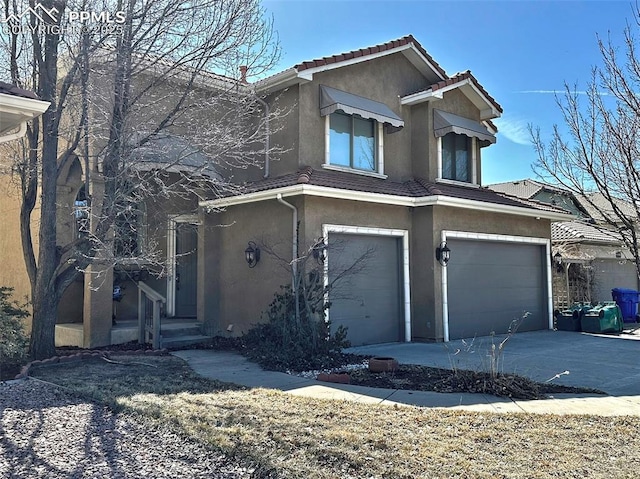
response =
{"points": [[231, 292], [13, 272]]}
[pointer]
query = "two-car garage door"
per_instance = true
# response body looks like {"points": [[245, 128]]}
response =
{"points": [[491, 283]]}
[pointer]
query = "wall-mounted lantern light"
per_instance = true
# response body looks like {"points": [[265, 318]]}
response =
{"points": [[319, 251], [443, 253], [557, 259], [252, 254]]}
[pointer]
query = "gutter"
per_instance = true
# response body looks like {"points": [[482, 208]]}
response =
{"points": [[393, 200], [14, 136]]}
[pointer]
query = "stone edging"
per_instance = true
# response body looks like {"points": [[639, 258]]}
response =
{"points": [[90, 354]]}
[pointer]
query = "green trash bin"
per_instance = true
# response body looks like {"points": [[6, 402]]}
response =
{"points": [[604, 318], [570, 319]]}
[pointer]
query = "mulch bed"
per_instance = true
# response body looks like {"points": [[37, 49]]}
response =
{"points": [[424, 378]]}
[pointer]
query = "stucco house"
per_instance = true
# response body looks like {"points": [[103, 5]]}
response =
{"points": [[384, 153], [589, 256], [380, 152]]}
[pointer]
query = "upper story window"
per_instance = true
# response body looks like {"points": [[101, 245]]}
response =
{"points": [[459, 143], [354, 132], [457, 158], [352, 142]]}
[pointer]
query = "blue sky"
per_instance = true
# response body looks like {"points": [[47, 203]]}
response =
{"points": [[520, 51]]}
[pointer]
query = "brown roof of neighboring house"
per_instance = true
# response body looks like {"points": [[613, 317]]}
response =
{"points": [[10, 89], [412, 188], [362, 52]]}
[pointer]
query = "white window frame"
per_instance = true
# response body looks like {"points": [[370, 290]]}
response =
{"points": [[327, 229], [379, 173], [474, 165], [494, 238]]}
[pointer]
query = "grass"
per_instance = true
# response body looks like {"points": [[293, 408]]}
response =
{"points": [[292, 437]]}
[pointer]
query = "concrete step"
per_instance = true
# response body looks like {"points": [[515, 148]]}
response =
{"points": [[181, 341], [175, 329]]}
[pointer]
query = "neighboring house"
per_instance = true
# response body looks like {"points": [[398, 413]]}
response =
{"points": [[590, 256], [17, 107], [382, 153]]}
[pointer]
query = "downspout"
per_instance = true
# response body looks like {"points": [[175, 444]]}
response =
{"points": [[267, 146], [294, 251], [14, 136]]}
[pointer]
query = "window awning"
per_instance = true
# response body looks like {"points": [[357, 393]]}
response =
{"points": [[444, 123], [332, 100]]}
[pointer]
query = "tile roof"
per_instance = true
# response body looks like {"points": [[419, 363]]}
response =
{"points": [[526, 188], [597, 206], [577, 231], [362, 52], [413, 188], [9, 89], [460, 77]]}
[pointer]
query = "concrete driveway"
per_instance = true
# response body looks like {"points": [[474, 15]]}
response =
{"points": [[606, 362]]}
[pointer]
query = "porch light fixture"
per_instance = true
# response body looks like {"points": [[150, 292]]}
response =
{"points": [[557, 259], [319, 251], [252, 254], [443, 253]]}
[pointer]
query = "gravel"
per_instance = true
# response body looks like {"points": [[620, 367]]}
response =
{"points": [[48, 433]]}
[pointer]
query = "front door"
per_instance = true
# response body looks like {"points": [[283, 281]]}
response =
{"points": [[186, 270]]}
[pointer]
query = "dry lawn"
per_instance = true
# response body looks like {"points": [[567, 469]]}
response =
{"points": [[293, 437]]}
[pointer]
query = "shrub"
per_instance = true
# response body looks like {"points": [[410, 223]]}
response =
{"points": [[13, 339], [299, 340]]}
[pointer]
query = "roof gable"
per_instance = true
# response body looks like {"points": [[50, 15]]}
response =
{"points": [[305, 70], [468, 85]]}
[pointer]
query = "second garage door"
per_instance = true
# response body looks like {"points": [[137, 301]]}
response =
{"points": [[492, 283], [368, 299]]}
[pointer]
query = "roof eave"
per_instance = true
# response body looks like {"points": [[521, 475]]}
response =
{"points": [[21, 110], [487, 109], [379, 198], [292, 76]]}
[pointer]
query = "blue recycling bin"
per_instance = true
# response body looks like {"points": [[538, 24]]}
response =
{"points": [[627, 300]]}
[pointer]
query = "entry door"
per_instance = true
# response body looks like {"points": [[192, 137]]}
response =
{"points": [[186, 270]]}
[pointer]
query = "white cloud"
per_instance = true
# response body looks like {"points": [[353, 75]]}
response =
{"points": [[514, 129], [561, 92]]}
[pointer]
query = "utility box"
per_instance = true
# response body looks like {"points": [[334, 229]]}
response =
{"points": [[604, 318]]}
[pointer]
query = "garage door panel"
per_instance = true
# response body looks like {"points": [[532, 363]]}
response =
{"points": [[490, 284], [368, 302]]}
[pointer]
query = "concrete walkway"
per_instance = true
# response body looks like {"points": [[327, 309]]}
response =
{"points": [[606, 363]]}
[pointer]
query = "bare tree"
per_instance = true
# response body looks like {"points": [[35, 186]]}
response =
{"points": [[146, 96], [596, 154]]}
